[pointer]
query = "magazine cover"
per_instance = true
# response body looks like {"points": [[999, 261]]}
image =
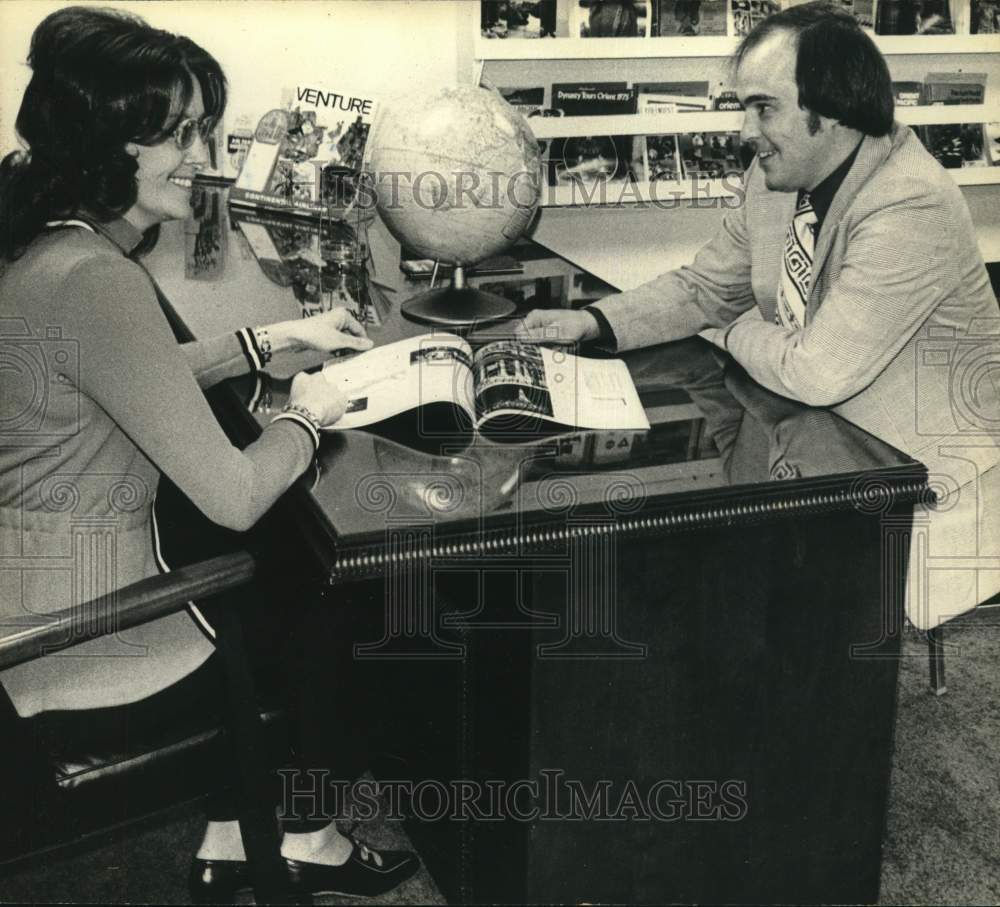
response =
{"points": [[611, 18], [524, 18], [672, 97], [660, 159], [954, 88], [985, 17], [955, 145], [747, 13], [307, 159], [908, 94], [991, 135], [710, 155], [913, 17], [683, 18]]}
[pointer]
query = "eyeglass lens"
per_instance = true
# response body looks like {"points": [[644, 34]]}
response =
{"points": [[187, 130]]}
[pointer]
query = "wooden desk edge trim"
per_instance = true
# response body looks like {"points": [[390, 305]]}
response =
{"points": [[870, 493]]}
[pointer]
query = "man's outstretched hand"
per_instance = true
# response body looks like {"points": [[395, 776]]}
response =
{"points": [[558, 326]]}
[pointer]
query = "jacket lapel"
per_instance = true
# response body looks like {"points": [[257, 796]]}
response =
{"points": [[871, 155]]}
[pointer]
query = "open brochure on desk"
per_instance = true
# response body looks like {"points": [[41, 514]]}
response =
{"points": [[434, 385]]}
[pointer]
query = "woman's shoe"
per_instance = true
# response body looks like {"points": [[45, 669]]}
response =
{"points": [[367, 872], [217, 881]]}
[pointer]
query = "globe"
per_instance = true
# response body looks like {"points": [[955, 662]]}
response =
{"points": [[458, 179]]}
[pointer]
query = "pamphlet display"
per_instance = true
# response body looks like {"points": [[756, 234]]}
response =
{"points": [[307, 159]]}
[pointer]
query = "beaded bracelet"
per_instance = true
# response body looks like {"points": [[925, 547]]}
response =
{"points": [[303, 411], [303, 417]]}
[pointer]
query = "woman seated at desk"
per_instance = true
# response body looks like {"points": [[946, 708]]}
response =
{"points": [[115, 119]]}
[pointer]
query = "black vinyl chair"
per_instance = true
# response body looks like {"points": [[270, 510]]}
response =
{"points": [[86, 789]]}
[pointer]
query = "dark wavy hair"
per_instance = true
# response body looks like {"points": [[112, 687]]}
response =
{"points": [[100, 78], [839, 70]]}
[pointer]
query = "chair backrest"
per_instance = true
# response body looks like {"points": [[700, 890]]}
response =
{"points": [[137, 604], [52, 798]]}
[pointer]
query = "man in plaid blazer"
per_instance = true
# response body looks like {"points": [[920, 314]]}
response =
{"points": [[898, 328]]}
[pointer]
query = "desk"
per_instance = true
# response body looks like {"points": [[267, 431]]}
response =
{"points": [[668, 681]]}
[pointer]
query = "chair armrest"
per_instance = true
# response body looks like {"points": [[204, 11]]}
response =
{"points": [[139, 603]]}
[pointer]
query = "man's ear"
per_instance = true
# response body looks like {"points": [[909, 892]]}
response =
{"points": [[131, 148]]}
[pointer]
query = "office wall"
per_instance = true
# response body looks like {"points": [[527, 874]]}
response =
{"points": [[387, 47]]}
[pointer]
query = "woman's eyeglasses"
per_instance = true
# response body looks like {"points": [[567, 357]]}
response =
{"points": [[186, 131]]}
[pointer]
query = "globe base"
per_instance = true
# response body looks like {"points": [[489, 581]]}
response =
{"points": [[454, 307]]}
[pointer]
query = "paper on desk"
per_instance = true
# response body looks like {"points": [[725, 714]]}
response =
{"points": [[392, 379]]}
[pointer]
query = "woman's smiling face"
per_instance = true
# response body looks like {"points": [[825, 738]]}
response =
{"points": [[163, 180]]}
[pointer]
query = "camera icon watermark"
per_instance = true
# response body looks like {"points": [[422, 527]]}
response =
{"points": [[964, 368], [38, 369]]}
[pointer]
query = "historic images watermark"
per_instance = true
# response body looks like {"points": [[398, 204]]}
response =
{"points": [[947, 543], [467, 189], [550, 796], [80, 517]]}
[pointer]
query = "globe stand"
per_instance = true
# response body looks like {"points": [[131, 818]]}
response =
{"points": [[457, 306]]}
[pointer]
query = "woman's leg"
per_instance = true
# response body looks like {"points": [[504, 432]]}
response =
{"points": [[312, 663], [330, 732]]}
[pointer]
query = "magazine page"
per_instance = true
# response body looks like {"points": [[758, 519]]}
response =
{"points": [[410, 374], [534, 384]]}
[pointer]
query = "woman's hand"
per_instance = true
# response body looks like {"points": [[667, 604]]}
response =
{"points": [[558, 326], [328, 332], [317, 395]]}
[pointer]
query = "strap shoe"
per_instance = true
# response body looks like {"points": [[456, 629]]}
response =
{"points": [[367, 873], [217, 881]]}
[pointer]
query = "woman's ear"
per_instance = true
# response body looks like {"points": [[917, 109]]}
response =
{"points": [[132, 149]]}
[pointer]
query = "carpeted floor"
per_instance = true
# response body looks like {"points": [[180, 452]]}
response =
{"points": [[943, 841], [943, 837]]}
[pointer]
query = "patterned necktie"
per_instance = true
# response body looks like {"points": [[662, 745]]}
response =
{"points": [[796, 266]]}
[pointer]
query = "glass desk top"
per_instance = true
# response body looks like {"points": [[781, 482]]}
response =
{"points": [[715, 435]]}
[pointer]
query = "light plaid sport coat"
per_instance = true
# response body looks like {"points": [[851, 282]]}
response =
{"points": [[901, 328]]}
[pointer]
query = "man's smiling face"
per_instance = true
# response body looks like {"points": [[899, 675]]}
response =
{"points": [[793, 146]]}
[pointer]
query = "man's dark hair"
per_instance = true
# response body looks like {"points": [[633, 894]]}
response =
{"points": [[839, 70]]}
